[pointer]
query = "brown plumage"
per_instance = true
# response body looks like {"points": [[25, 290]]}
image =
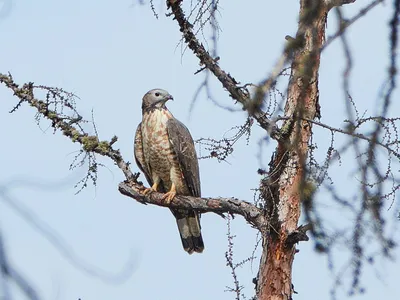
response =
{"points": [[165, 152]]}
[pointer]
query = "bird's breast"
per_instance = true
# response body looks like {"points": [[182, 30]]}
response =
{"points": [[156, 146], [154, 126]]}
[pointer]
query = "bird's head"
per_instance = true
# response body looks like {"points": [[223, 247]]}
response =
{"points": [[155, 99]]}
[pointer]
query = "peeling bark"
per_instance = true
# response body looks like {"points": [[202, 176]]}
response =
{"points": [[282, 190], [288, 165]]}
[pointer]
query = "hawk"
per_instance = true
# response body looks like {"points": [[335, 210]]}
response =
{"points": [[165, 152]]}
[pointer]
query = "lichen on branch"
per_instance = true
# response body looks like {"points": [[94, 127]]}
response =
{"points": [[53, 109]]}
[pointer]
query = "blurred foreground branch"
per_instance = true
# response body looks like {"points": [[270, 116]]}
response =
{"points": [[8, 274]]}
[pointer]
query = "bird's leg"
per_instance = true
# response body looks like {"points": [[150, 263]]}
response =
{"points": [[170, 195], [152, 189]]}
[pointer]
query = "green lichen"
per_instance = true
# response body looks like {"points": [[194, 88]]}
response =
{"points": [[103, 147], [89, 143], [286, 129], [75, 135], [52, 115]]}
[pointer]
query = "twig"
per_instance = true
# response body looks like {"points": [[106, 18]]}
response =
{"points": [[131, 187], [89, 143], [210, 63]]}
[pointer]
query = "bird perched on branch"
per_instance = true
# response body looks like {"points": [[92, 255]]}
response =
{"points": [[165, 152]]}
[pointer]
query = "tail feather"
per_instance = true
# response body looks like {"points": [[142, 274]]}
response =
{"points": [[190, 231]]}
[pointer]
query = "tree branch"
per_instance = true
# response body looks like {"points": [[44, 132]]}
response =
{"points": [[239, 94], [352, 133], [346, 24], [131, 187], [299, 235], [249, 211], [89, 143], [332, 3]]}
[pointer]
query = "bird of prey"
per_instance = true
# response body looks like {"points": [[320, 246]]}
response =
{"points": [[165, 152]]}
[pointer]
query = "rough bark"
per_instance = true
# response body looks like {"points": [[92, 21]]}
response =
{"points": [[283, 189], [250, 212]]}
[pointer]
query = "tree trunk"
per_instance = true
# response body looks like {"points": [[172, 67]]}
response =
{"points": [[282, 189]]}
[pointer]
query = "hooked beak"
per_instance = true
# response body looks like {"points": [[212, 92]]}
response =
{"points": [[168, 97], [165, 99]]}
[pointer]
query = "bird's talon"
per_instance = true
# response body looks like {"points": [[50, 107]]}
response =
{"points": [[151, 189], [148, 191], [169, 196]]}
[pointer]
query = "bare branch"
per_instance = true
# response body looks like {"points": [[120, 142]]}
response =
{"points": [[251, 213], [228, 82], [153, 9], [229, 262], [360, 136], [233, 266], [333, 3], [221, 149], [298, 235], [132, 188], [394, 24], [89, 143], [347, 23]]}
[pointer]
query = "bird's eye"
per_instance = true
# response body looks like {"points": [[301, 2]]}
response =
{"points": [[157, 94]]}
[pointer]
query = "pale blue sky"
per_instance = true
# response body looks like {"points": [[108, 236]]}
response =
{"points": [[110, 53]]}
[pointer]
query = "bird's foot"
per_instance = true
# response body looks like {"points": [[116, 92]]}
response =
{"points": [[150, 190], [169, 196]]}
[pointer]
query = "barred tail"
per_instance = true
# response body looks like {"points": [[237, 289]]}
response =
{"points": [[190, 231]]}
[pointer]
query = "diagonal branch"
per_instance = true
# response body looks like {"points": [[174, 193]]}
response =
{"points": [[89, 143], [131, 187], [228, 82]]}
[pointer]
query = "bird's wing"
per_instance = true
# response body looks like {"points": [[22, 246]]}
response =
{"points": [[139, 155], [183, 145]]}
